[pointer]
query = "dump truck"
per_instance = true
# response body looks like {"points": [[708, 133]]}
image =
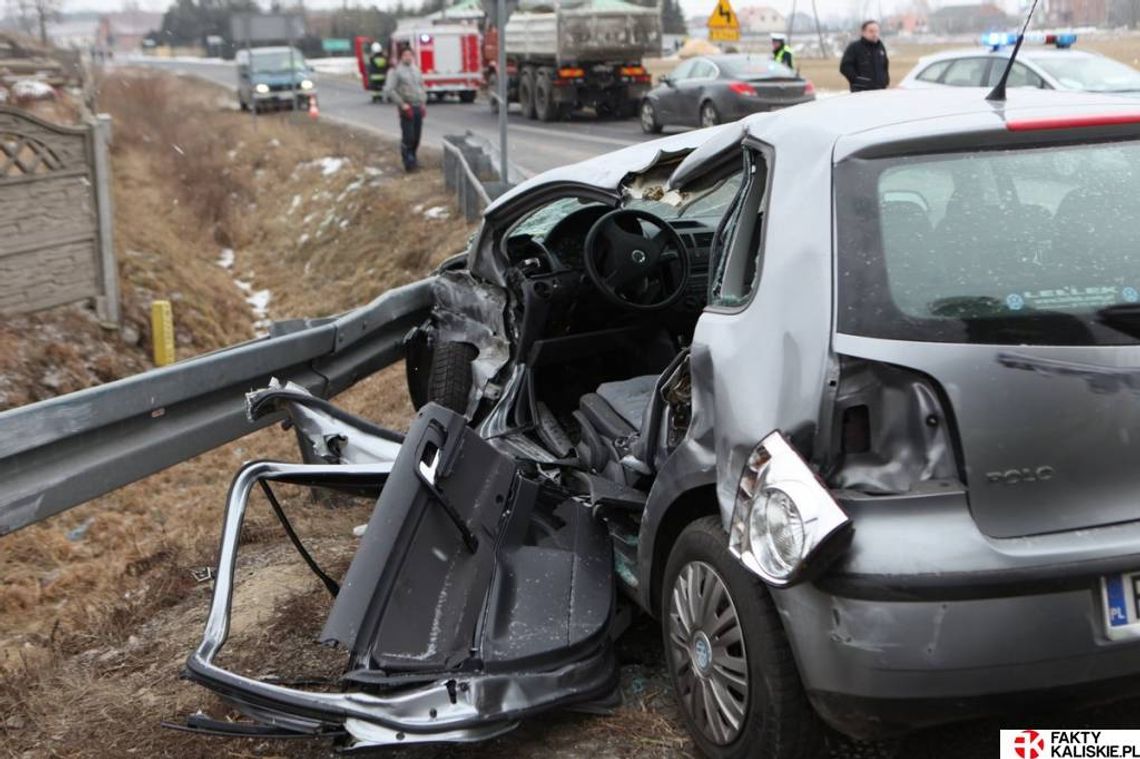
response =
{"points": [[564, 55]]}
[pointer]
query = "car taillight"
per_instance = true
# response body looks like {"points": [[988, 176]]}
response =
{"points": [[571, 73], [742, 88], [633, 71], [809, 88]]}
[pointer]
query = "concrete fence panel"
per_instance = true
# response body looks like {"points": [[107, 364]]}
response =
{"points": [[55, 215]]}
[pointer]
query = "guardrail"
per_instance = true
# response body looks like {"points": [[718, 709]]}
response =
{"points": [[462, 170], [59, 453], [469, 163]]}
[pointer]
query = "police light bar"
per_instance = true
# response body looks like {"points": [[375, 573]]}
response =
{"points": [[998, 40]]}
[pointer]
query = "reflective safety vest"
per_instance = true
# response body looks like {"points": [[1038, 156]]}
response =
{"points": [[379, 68], [784, 56]]}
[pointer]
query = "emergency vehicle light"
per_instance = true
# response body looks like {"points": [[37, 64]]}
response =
{"points": [[996, 40], [425, 38]]}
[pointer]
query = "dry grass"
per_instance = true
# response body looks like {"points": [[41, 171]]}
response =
{"points": [[93, 625]]}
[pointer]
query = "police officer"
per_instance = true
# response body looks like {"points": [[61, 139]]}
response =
{"points": [[377, 68], [780, 50]]}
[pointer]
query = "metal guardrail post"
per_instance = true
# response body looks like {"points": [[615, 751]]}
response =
{"points": [[459, 176]]}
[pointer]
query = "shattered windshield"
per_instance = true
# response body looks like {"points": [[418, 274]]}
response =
{"points": [[1015, 246], [708, 202]]}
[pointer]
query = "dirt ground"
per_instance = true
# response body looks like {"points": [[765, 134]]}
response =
{"points": [[235, 224]]}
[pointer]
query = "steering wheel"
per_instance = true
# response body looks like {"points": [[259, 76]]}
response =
{"points": [[632, 270]]}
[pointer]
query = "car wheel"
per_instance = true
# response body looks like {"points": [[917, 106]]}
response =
{"points": [[449, 383], [731, 665], [709, 115], [526, 93], [649, 123], [467, 96]]}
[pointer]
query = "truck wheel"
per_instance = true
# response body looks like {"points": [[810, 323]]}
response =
{"points": [[544, 106], [449, 383], [729, 659], [709, 115], [526, 93], [649, 122], [467, 96]]}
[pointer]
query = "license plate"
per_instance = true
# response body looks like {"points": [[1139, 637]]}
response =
{"points": [[1121, 594]]}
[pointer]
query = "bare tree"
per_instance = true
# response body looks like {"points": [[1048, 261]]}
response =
{"points": [[44, 11]]}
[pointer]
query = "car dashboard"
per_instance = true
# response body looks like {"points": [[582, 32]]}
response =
{"points": [[553, 263]]}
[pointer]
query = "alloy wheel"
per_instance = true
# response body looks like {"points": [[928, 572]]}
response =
{"points": [[708, 115], [706, 644], [648, 118]]}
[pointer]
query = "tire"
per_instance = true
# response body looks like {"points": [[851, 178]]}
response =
{"points": [[708, 115], [243, 105], [526, 93], [545, 109], [467, 96], [649, 122], [773, 715], [449, 383]]}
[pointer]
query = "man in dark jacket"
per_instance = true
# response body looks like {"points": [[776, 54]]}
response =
{"points": [[865, 65]]}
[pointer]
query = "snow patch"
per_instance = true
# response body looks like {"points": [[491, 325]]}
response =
{"points": [[226, 258], [330, 165], [296, 202], [32, 89], [437, 213]]}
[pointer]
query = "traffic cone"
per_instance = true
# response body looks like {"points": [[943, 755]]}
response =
{"points": [[314, 112]]}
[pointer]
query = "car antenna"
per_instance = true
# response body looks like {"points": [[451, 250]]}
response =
{"points": [[997, 94]]}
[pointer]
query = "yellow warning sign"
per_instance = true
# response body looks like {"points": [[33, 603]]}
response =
{"points": [[724, 26]]}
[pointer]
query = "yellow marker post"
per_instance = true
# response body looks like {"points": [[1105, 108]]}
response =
{"points": [[162, 331]]}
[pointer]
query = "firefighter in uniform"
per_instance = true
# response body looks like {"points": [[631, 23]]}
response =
{"points": [[780, 50], [377, 70]]}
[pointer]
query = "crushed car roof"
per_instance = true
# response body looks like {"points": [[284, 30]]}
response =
{"points": [[920, 113]]}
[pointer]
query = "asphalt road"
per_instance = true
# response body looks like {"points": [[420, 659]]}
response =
{"points": [[533, 147]]}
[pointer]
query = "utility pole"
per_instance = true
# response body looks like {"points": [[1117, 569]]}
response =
{"points": [[501, 81], [819, 32]]}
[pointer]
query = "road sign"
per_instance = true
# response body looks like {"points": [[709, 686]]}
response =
{"points": [[723, 24]]}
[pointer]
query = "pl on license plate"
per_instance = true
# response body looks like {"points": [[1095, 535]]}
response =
{"points": [[1121, 605]]}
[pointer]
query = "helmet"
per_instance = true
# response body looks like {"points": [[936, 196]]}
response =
{"points": [[778, 37], [377, 47]]}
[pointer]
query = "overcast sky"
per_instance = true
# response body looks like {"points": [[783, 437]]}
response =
{"points": [[692, 7]]}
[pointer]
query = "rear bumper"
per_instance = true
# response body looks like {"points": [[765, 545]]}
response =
{"points": [[741, 107], [925, 610]]}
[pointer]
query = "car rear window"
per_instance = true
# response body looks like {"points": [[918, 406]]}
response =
{"points": [[1008, 247], [756, 66]]}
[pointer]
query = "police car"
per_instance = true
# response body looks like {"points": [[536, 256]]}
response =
{"points": [[1046, 61]]}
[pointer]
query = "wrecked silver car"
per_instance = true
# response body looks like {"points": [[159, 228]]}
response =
{"points": [[839, 394]]}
